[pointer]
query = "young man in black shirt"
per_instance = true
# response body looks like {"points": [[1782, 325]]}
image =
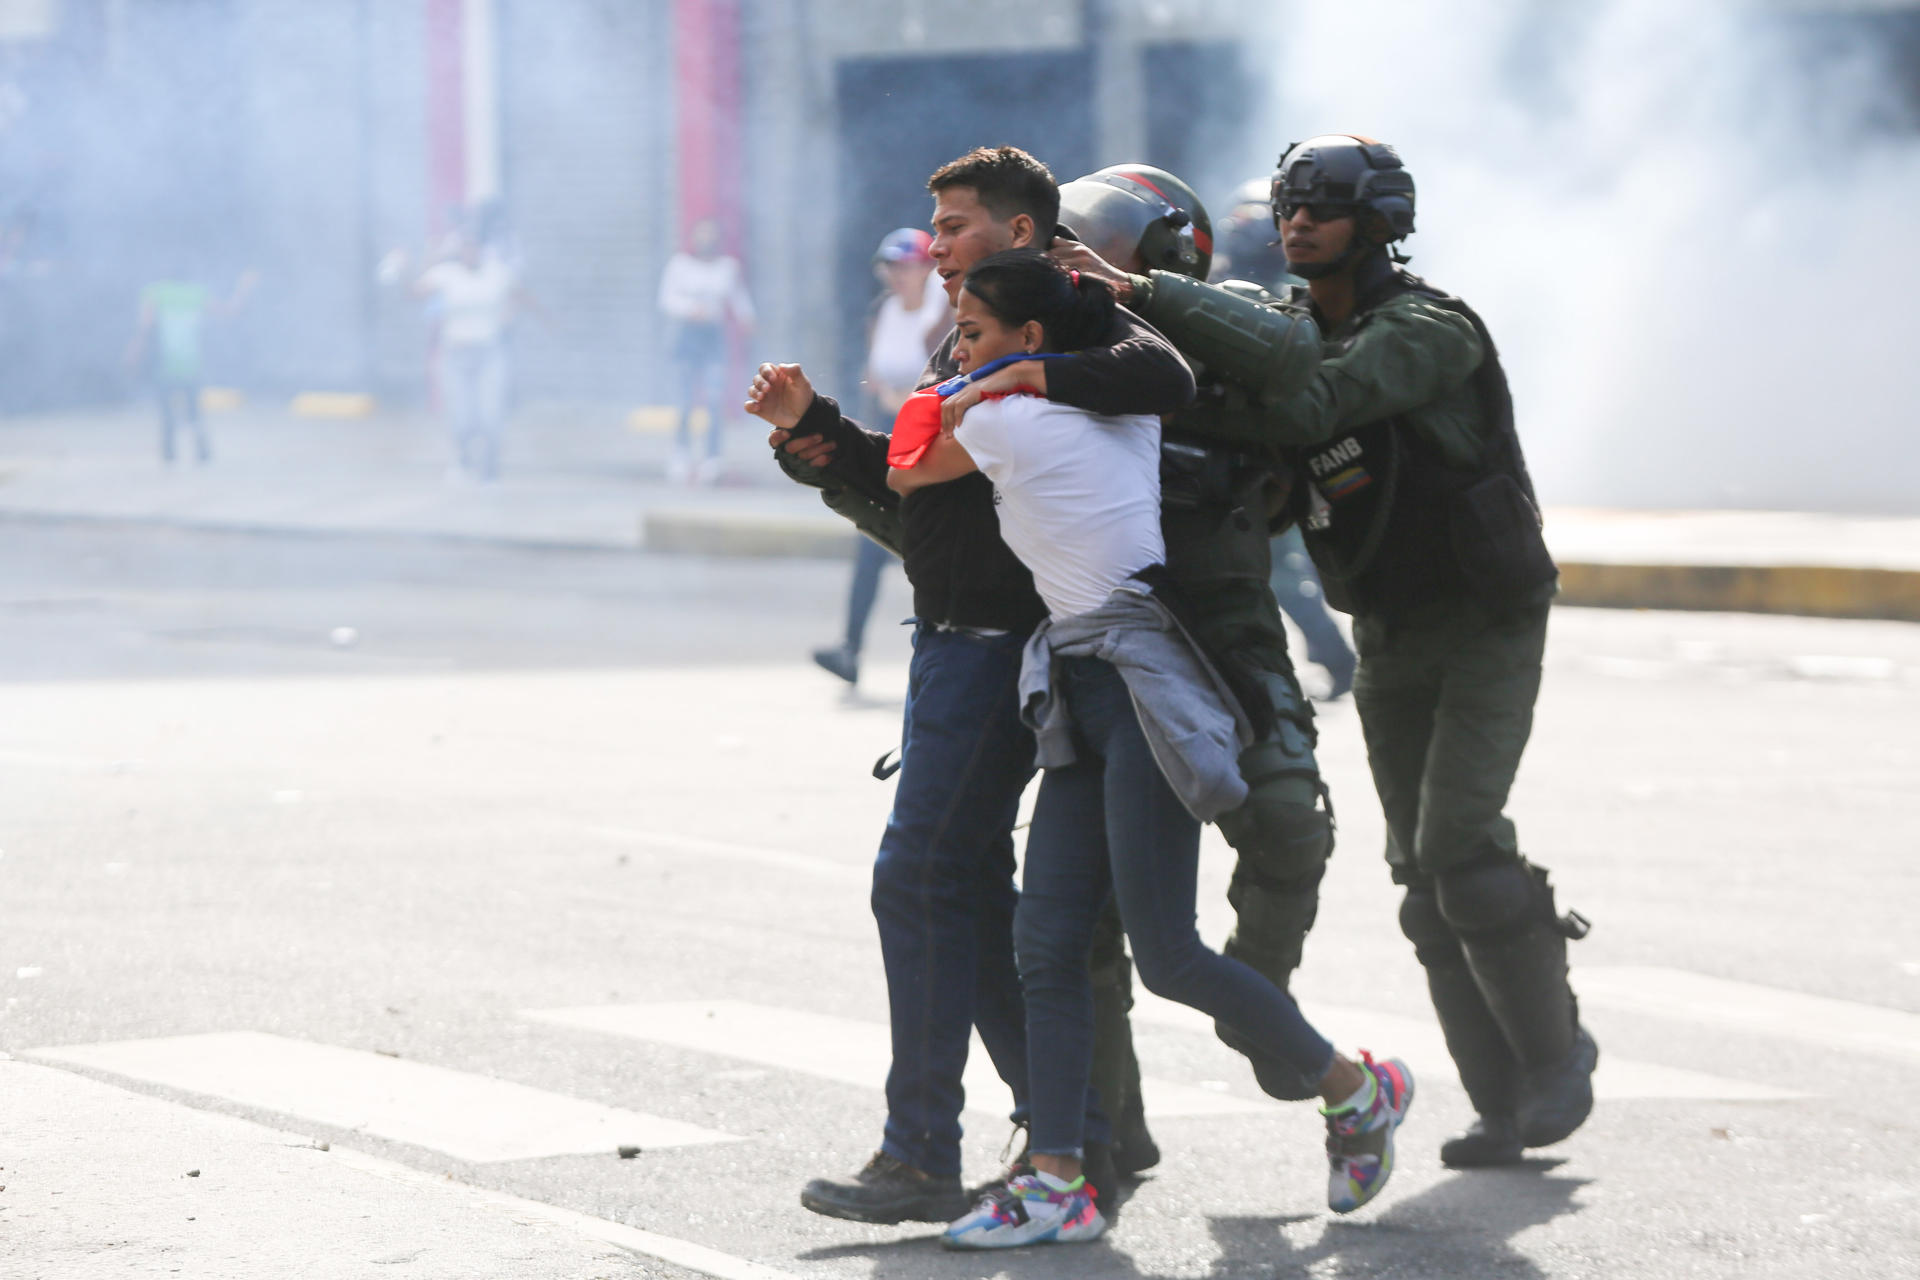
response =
{"points": [[943, 890]]}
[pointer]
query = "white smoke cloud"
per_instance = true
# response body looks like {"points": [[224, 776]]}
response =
{"points": [[1684, 224]]}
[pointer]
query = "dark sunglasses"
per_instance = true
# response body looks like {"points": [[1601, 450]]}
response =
{"points": [[1319, 211]]}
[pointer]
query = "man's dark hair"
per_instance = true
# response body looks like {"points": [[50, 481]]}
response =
{"points": [[1009, 182]]}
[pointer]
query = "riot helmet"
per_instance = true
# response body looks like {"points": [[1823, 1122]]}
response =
{"points": [[1129, 210], [1351, 174], [1245, 244]]}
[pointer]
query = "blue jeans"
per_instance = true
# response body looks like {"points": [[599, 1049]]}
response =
{"points": [[1110, 822], [701, 351], [869, 558], [943, 890]]}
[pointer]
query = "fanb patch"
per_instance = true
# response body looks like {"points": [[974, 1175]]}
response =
{"points": [[1337, 470], [1345, 483]]}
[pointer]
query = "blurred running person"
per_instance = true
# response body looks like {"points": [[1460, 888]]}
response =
{"points": [[475, 294], [1140, 736], [1296, 585], [700, 292], [905, 327], [173, 315]]}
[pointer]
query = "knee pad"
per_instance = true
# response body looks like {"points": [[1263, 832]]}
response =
{"points": [[1489, 897], [1282, 845], [1420, 920]]}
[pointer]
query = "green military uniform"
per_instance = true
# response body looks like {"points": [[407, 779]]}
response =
{"points": [[1419, 513], [1220, 493], [1416, 505], [1218, 503], [1446, 685]]}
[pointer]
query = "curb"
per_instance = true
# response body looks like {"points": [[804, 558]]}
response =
{"points": [[744, 533], [1824, 591], [1821, 591], [318, 533]]}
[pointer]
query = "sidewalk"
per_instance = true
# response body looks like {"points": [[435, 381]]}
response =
{"points": [[101, 1181], [585, 478]]}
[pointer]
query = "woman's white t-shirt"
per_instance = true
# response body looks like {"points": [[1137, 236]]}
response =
{"points": [[1077, 493], [477, 300]]}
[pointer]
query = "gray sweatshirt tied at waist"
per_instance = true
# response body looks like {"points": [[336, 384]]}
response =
{"points": [[1192, 722]]}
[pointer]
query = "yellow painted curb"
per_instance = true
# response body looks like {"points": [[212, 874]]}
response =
{"points": [[656, 419], [332, 404], [735, 533], [1814, 590], [221, 399], [1809, 590]]}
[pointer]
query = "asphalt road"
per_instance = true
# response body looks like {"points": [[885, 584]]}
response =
{"points": [[590, 824]]}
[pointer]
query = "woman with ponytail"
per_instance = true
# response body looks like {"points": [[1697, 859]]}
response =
{"points": [[1140, 738]]}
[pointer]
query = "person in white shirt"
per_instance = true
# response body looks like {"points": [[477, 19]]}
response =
{"points": [[701, 291], [475, 295], [905, 327], [1128, 708]]}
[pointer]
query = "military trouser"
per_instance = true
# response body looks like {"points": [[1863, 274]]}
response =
{"points": [[1219, 556], [1446, 706]]}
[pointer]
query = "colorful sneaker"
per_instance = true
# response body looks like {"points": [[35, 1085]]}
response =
{"points": [[1098, 1167], [1029, 1210], [1360, 1139]]}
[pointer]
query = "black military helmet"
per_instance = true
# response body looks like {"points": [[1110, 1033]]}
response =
{"points": [[1129, 209], [1347, 171], [1245, 246]]}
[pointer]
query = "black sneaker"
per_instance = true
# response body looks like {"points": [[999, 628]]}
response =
{"points": [[841, 661], [1556, 1100], [887, 1191], [1489, 1141]]}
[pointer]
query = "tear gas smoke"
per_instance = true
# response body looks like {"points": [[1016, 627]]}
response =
{"points": [[1683, 223]]}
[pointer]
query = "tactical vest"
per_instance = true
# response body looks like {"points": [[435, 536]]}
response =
{"points": [[1395, 530]]}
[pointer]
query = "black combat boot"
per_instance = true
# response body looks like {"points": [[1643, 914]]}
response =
{"points": [[1490, 1141], [1134, 1150], [1489, 1071], [1557, 1099], [887, 1191], [1522, 972]]}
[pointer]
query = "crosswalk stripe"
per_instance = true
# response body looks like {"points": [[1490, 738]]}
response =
{"points": [[1419, 1041], [469, 1117], [841, 1049], [669, 1249], [1745, 1006]]}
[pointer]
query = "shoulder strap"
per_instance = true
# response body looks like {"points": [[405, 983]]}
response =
{"points": [[1490, 379]]}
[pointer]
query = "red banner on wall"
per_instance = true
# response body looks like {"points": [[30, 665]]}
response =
{"points": [[707, 100]]}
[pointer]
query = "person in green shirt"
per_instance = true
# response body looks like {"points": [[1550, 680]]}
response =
{"points": [[1413, 495], [173, 315]]}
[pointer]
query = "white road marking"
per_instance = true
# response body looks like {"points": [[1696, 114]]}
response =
{"points": [[1419, 1042], [841, 1049], [469, 1117], [681, 1253], [1743, 1006], [785, 859]]}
